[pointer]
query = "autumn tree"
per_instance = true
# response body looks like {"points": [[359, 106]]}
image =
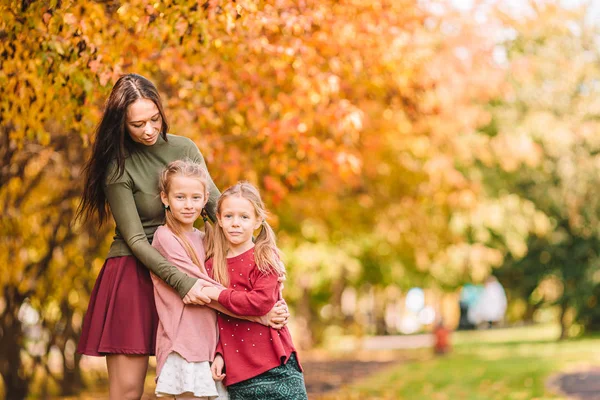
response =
{"points": [[543, 147], [270, 92], [358, 120]]}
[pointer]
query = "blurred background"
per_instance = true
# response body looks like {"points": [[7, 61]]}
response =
{"points": [[429, 165]]}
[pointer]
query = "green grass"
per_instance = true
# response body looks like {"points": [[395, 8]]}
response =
{"points": [[490, 365]]}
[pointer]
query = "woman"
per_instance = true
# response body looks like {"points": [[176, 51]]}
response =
{"points": [[131, 148]]}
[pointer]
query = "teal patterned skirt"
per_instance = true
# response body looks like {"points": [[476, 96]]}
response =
{"points": [[285, 382]]}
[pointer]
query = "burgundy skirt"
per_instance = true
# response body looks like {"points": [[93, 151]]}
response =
{"points": [[121, 317]]}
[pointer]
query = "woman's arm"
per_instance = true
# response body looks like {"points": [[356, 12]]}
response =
{"points": [[171, 247], [122, 205]]}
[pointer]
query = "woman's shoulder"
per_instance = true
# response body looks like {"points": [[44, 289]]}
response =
{"points": [[182, 141], [184, 147], [113, 174]]}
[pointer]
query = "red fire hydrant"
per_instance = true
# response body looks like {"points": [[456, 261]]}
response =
{"points": [[442, 339]]}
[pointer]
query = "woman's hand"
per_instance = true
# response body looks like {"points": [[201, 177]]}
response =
{"points": [[278, 316], [196, 296], [217, 368]]}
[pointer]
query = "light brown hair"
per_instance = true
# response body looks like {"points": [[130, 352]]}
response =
{"points": [[191, 169], [266, 254]]}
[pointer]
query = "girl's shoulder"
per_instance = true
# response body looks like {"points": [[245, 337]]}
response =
{"points": [[165, 237], [162, 234]]}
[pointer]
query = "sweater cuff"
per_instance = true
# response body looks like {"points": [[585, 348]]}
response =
{"points": [[224, 298], [185, 286]]}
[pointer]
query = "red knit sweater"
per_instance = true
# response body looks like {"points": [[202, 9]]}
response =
{"points": [[249, 348]]}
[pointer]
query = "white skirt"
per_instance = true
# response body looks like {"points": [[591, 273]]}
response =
{"points": [[189, 379]]}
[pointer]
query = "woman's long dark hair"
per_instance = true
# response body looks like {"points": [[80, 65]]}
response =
{"points": [[113, 142]]}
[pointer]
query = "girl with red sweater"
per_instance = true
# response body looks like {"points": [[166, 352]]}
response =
{"points": [[261, 362]]}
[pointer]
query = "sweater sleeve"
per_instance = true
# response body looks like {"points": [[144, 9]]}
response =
{"points": [[214, 193], [219, 349], [215, 305], [256, 302], [167, 243], [119, 193]]}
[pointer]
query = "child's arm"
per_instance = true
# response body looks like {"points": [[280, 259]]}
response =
{"points": [[166, 242], [276, 318], [255, 302], [218, 368]]}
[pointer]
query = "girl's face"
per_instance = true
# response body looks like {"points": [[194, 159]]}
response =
{"points": [[238, 219], [186, 198], [143, 122]]}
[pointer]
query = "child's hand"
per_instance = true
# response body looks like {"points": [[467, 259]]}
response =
{"points": [[195, 295], [277, 317], [212, 292], [217, 368]]}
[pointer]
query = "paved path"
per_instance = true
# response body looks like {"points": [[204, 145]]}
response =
{"points": [[322, 377], [582, 385], [397, 342]]}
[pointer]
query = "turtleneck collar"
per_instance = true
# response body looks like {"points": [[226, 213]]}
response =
{"points": [[143, 147]]}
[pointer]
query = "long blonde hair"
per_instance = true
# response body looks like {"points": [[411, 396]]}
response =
{"points": [[266, 254], [191, 169]]}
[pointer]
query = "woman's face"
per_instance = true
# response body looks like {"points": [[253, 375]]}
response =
{"points": [[143, 122]]}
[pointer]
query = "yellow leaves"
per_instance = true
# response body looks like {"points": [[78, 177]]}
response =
{"points": [[550, 289], [349, 165], [296, 97], [316, 265], [122, 11], [46, 17], [73, 298], [181, 27], [275, 188], [70, 19], [420, 146]]}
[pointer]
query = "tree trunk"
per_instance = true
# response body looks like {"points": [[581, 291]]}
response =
{"points": [[380, 304], [71, 382], [529, 313], [336, 300], [305, 320], [16, 380], [564, 326]]}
